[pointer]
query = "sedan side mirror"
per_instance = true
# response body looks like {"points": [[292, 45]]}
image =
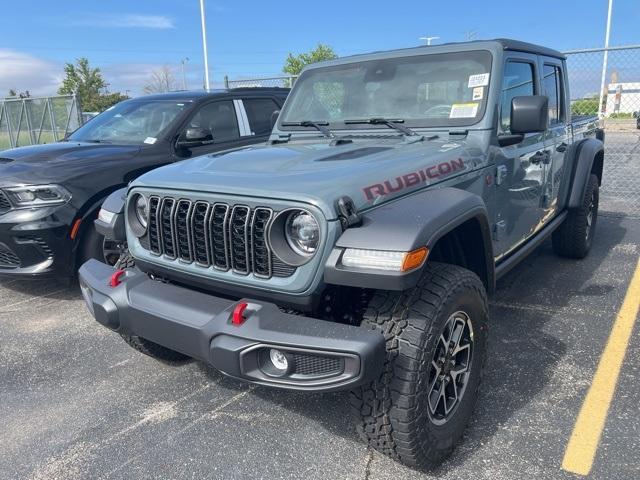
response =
{"points": [[529, 114], [195, 137], [274, 118]]}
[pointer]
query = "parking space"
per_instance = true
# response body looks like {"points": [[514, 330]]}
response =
{"points": [[77, 402]]}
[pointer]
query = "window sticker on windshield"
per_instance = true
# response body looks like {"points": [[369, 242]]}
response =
{"points": [[478, 93], [150, 140], [479, 80], [463, 110]]}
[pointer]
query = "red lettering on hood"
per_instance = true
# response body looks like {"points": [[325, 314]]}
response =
{"points": [[412, 178]]}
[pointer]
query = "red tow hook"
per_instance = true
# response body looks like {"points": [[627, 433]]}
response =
{"points": [[115, 278], [238, 317]]}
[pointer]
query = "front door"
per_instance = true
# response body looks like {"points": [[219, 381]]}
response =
{"points": [[521, 167]]}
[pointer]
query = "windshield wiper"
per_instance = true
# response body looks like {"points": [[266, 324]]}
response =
{"points": [[392, 123], [320, 126]]}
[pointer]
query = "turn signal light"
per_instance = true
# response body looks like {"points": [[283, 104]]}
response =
{"points": [[414, 259]]}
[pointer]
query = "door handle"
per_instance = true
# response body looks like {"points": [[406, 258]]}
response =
{"points": [[562, 147]]}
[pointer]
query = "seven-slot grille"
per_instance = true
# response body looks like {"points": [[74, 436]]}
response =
{"points": [[218, 235]]}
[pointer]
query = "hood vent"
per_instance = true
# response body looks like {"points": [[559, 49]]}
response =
{"points": [[6, 160], [353, 154]]}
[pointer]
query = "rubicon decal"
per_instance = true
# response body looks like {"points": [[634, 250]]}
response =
{"points": [[412, 179]]}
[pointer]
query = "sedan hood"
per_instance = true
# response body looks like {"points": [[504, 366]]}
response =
{"points": [[369, 171], [56, 162]]}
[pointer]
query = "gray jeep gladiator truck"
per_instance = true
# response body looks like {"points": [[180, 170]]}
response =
{"points": [[355, 250]]}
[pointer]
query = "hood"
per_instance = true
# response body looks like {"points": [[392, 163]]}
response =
{"points": [[55, 162], [370, 172]]}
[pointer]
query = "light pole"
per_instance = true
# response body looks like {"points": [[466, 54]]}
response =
{"points": [[602, 107], [204, 45], [428, 40], [184, 78]]}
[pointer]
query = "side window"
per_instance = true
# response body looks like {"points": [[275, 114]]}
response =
{"points": [[259, 112], [220, 118], [551, 85], [517, 82]]}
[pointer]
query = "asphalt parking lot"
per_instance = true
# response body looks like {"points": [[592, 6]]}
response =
{"points": [[77, 402]]}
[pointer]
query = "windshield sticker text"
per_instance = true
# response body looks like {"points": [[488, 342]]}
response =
{"points": [[479, 80]]}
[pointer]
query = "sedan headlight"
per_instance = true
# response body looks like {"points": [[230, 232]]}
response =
{"points": [[27, 196], [302, 232]]}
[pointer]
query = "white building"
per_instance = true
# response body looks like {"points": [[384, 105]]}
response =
{"points": [[623, 98]]}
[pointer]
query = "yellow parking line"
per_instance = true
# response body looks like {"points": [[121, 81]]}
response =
{"points": [[582, 446]]}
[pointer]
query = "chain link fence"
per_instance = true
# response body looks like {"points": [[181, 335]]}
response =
{"points": [[282, 82], [606, 82], [34, 120]]}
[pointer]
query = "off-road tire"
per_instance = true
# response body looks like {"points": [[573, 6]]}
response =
{"points": [[573, 239], [391, 412], [153, 349]]}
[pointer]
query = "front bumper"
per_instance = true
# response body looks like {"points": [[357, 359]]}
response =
{"points": [[32, 244], [323, 356]]}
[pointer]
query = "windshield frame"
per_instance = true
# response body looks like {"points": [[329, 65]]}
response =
{"points": [[422, 123], [161, 136]]}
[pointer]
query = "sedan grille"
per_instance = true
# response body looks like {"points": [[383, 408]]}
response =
{"points": [[5, 206], [217, 235], [8, 259]]}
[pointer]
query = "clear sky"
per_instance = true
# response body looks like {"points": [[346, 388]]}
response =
{"points": [[129, 39]]}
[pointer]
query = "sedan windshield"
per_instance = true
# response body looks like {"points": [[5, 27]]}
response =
{"points": [[425, 90], [133, 122]]}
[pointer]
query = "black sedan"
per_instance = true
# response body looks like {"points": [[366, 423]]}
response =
{"points": [[50, 194]]}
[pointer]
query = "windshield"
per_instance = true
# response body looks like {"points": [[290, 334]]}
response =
{"points": [[134, 122], [427, 90]]}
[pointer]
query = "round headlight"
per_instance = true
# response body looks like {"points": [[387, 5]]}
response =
{"points": [[302, 232], [142, 210]]}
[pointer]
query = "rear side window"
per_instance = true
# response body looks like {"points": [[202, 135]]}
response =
{"points": [[517, 82], [220, 118], [259, 111], [551, 85]]}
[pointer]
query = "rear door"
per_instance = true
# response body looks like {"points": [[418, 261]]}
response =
{"points": [[520, 169], [557, 136], [258, 113]]}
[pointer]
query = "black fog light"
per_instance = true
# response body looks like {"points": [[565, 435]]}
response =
{"points": [[275, 362]]}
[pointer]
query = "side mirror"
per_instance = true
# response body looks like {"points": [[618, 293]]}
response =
{"points": [[529, 114], [195, 137], [274, 118]]}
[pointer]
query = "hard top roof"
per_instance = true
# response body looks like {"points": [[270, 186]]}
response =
{"points": [[492, 45]]}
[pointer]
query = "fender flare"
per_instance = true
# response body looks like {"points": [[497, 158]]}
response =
{"points": [[404, 225], [585, 155], [113, 229]]}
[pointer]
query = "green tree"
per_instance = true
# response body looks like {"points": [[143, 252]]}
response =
{"points": [[12, 93], [295, 63], [89, 85]]}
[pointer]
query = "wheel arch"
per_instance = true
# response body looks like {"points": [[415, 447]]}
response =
{"points": [[86, 214], [588, 159], [436, 219]]}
